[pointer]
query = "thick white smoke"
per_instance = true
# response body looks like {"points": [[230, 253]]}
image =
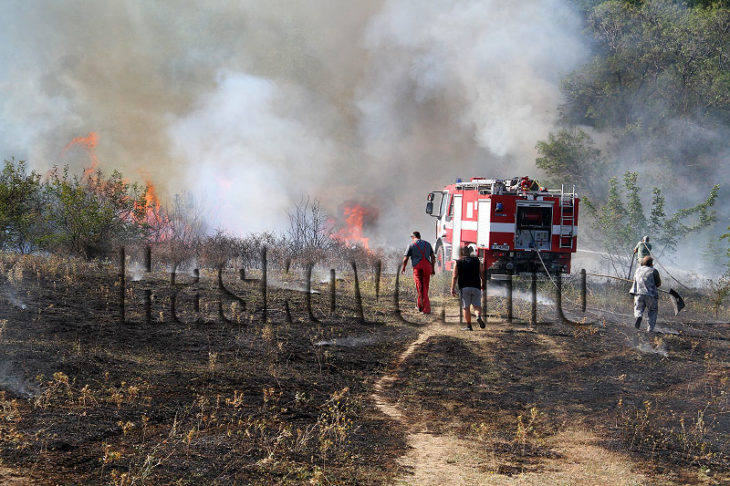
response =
{"points": [[497, 65], [460, 89], [252, 104], [251, 147]]}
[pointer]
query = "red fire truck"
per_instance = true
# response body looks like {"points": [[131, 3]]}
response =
{"points": [[512, 224]]}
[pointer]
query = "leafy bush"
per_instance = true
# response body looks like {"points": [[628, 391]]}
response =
{"points": [[89, 215], [21, 208]]}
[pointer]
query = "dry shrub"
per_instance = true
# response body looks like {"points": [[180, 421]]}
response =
{"points": [[219, 249], [664, 434]]}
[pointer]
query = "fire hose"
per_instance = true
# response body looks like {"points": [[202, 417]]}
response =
{"points": [[667, 271], [677, 300], [547, 272]]}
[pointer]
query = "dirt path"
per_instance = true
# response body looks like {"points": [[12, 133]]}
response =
{"points": [[8, 477], [443, 459]]}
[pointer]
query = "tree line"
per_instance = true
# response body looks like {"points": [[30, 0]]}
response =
{"points": [[648, 115], [91, 214], [68, 213]]}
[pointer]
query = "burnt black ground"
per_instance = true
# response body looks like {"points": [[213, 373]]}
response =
{"points": [[632, 388], [86, 399], [304, 409]]}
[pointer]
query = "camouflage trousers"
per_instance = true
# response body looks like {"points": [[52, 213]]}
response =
{"points": [[646, 306]]}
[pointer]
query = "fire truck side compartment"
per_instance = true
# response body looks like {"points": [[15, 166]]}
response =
{"points": [[533, 230], [484, 219]]}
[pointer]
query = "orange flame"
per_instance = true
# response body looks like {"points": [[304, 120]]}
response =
{"points": [[150, 197], [88, 143], [355, 217], [152, 213]]}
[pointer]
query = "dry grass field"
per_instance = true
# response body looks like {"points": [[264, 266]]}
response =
{"points": [[220, 396]]}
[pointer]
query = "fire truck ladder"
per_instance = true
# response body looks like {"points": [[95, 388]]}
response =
{"points": [[567, 217]]}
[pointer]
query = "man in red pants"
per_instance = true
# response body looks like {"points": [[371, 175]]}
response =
{"points": [[422, 260]]}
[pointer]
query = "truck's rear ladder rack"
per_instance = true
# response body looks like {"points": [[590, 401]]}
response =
{"points": [[567, 218]]}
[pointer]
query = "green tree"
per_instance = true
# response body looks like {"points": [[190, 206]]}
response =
{"points": [[619, 225], [21, 205], [658, 88], [659, 83], [634, 210], [657, 214], [708, 3], [688, 221], [90, 214], [658, 60], [609, 222], [569, 155]]}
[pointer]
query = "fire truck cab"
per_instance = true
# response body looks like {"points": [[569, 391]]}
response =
{"points": [[512, 224]]}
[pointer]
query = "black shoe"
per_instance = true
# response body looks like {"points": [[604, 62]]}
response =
{"points": [[637, 324], [481, 322]]}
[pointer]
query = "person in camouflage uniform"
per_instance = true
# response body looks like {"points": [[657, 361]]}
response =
{"points": [[646, 295]]}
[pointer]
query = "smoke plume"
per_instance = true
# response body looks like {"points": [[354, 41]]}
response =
{"points": [[252, 104]]}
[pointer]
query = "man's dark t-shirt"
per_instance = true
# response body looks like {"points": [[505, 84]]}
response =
{"points": [[468, 272]]}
